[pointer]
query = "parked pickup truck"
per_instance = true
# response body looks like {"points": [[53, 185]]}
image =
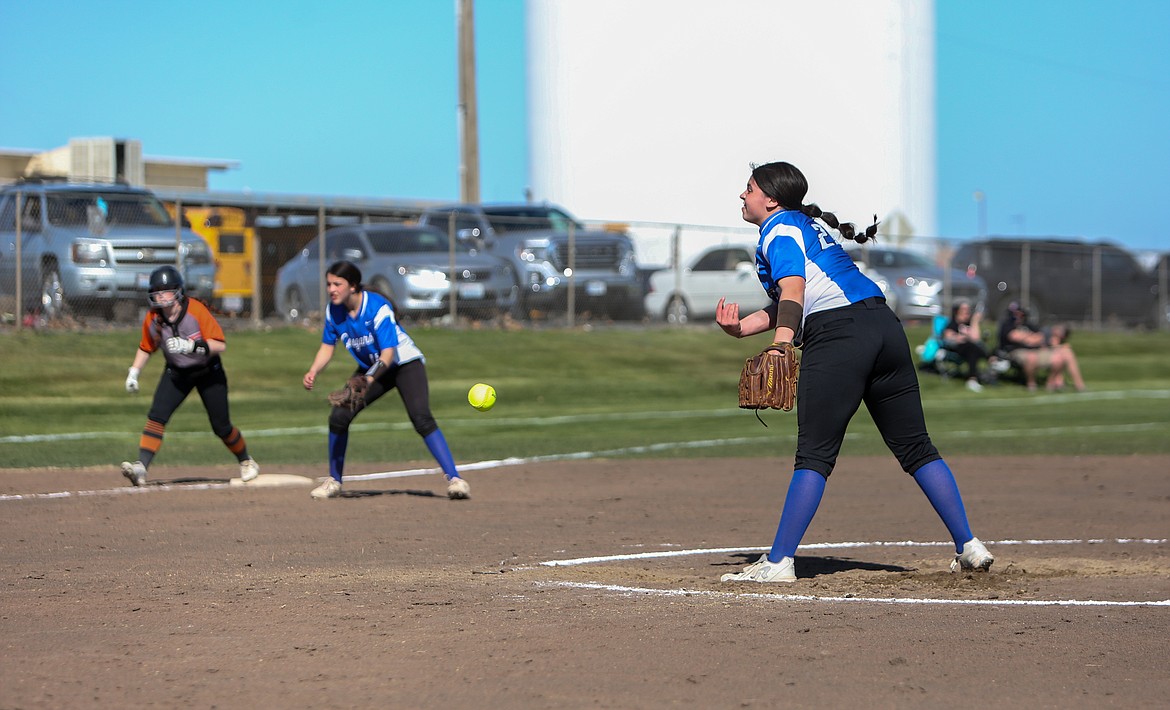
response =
{"points": [[535, 239], [88, 248]]}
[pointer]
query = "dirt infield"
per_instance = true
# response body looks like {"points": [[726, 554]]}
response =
{"points": [[197, 595]]}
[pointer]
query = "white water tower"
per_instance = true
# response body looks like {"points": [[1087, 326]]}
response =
{"points": [[652, 110]]}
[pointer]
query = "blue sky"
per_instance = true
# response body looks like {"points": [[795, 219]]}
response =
{"points": [[1054, 110], [1057, 111]]}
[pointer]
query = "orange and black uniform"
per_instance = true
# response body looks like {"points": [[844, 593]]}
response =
{"points": [[199, 370]]}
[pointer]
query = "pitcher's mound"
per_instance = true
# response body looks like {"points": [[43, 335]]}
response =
{"points": [[270, 480]]}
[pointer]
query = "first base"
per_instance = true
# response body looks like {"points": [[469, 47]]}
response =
{"points": [[274, 480]]}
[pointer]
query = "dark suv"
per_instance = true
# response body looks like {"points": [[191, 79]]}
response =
{"points": [[535, 239], [90, 247], [1064, 280]]}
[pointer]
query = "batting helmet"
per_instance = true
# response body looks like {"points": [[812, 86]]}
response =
{"points": [[165, 278]]}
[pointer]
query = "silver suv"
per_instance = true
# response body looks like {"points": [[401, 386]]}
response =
{"points": [[411, 265], [87, 248], [914, 286], [535, 239]]}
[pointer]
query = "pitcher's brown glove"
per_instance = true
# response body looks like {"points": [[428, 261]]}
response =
{"points": [[768, 380], [353, 395]]}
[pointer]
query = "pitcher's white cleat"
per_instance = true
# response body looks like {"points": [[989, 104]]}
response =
{"points": [[764, 571]]}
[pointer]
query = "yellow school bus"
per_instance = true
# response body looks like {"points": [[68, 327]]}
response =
{"points": [[230, 237]]}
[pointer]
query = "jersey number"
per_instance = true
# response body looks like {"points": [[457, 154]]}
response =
{"points": [[824, 237]]}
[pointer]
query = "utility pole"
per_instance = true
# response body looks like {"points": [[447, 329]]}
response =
{"points": [[981, 211], [468, 122]]}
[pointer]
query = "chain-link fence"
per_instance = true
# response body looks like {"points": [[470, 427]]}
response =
{"points": [[81, 256], [1093, 285]]}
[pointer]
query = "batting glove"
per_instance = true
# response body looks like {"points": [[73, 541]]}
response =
{"points": [[180, 346], [132, 380]]}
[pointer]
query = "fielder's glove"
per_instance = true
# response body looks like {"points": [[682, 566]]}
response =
{"points": [[768, 380], [353, 395], [132, 380]]}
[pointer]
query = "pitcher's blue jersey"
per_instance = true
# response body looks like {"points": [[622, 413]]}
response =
{"points": [[370, 332], [794, 244]]}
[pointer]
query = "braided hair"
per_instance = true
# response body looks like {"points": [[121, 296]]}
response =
{"points": [[785, 184]]}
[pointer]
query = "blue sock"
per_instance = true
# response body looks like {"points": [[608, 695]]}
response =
{"points": [[439, 449], [800, 505], [337, 444], [938, 483]]}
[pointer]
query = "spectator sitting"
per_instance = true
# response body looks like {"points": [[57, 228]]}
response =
{"points": [[1032, 349], [963, 336], [1057, 337]]}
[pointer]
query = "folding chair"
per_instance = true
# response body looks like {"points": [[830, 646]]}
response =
{"points": [[933, 355]]}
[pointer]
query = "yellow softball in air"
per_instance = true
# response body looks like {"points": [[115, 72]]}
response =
{"points": [[482, 397]]}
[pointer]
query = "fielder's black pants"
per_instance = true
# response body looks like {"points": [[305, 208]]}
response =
{"points": [[410, 379]]}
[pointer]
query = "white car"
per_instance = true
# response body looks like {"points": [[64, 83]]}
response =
{"points": [[724, 271]]}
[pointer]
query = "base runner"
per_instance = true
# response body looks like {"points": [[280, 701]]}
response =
{"points": [[191, 340]]}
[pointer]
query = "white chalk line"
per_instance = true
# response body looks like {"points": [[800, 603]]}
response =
{"points": [[673, 414], [837, 546], [473, 466], [630, 591], [123, 490], [572, 456], [120, 491], [622, 451], [680, 592]]}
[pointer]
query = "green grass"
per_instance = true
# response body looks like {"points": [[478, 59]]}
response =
{"points": [[630, 392]]}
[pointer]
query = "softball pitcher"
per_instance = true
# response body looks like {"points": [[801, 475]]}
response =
{"points": [[854, 350], [364, 323], [191, 340]]}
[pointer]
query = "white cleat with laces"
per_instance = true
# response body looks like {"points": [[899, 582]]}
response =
{"points": [[331, 488], [458, 489], [249, 470], [973, 557], [135, 471], [764, 571]]}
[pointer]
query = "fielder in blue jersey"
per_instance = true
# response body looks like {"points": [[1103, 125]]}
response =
{"points": [[365, 325], [853, 350]]}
